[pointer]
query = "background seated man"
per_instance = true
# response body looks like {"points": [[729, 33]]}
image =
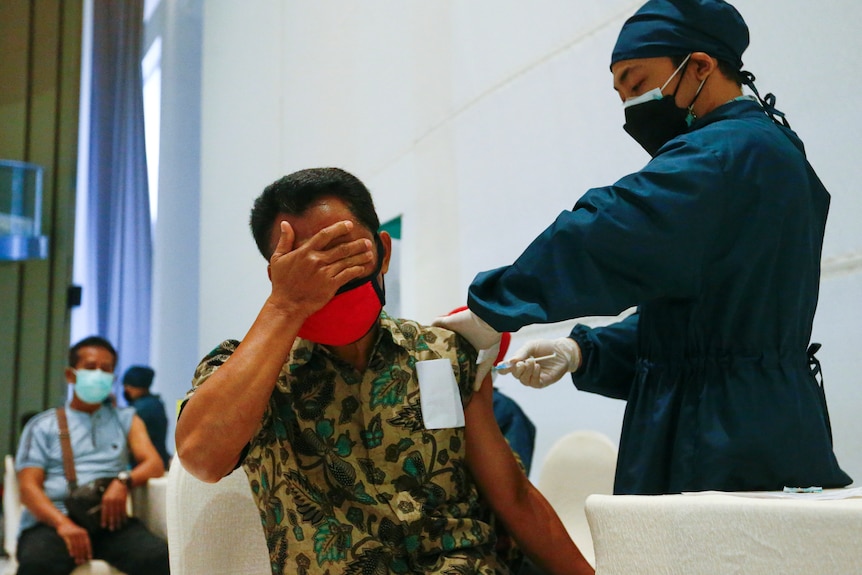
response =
{"points": [[321, 404], [102, 439], [516, 426], [149, 407]]}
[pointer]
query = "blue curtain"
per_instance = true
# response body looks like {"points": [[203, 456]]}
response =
{"points": [[119, 243]]}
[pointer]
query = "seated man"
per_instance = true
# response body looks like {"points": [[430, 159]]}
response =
{"points": [[516, 426], [102, 438], [321, 404], [149, 407]]}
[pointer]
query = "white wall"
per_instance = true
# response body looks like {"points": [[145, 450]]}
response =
{"points": [[479, 121], [176, 250]]}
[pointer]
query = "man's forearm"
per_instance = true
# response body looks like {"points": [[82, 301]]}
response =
{"points": [[526, 514], [223, 414], [534, 524], [146, 470], [149, 462], [41, 507]]}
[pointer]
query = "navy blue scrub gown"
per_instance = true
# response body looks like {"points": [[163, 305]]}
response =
{"points": [[717, 241]]}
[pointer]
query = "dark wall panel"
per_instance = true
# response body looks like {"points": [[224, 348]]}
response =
{"points": [[62, 207], [14, 63], [9, 288], [40, 43]]}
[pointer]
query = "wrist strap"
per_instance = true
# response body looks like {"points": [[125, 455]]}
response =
{"points": [[66, 446]]}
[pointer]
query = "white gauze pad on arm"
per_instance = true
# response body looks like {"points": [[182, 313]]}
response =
{"points": [[439, 395]]}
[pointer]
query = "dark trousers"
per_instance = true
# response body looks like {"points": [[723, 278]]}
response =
{"points": [[132, 549]]}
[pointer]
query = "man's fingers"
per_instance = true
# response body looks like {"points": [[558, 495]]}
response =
{"points": [[285, 240], [70, 546], [77, 542], [322, 239], [85, 553], [107, 514], [349, 261], [79, 548], [356, 253], [338, 257], [330, 250]]}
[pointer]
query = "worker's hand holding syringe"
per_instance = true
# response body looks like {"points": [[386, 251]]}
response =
{"points": [[542, 362]]}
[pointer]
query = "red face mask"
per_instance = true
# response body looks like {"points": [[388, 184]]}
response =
{"points": [[351, 313]]}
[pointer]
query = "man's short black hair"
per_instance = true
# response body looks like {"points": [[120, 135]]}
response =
{"points": [[294, 193], [91, 341]]}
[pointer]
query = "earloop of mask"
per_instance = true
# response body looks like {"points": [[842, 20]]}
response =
{"points": [[683, 66], [380, 288], [691, 117]]}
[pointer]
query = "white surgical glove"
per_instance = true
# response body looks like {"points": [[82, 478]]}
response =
{"points": [[523, 365], [480, 335]]}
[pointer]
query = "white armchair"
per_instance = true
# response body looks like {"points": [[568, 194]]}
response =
{"points": [[578, 465], [11, 514], [213, 528], [12, 519]]}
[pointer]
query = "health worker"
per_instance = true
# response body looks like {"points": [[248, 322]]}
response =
{"points": [[716, 242]]}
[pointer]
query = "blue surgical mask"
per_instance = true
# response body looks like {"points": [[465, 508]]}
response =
{"points": [[93, 385]]}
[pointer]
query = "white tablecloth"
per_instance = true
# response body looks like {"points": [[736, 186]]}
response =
{"points": [[724, 534]]}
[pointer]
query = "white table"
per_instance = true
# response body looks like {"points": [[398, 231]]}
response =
{"points": [[724, 534]]}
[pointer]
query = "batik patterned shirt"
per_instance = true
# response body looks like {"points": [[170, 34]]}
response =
{"points": [[345, 475]]}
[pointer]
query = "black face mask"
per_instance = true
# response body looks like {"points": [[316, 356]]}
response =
{"points": [[656, 121]]}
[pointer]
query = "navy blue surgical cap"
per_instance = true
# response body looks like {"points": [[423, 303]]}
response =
{"points": [[139, 376], [678, 27]]}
